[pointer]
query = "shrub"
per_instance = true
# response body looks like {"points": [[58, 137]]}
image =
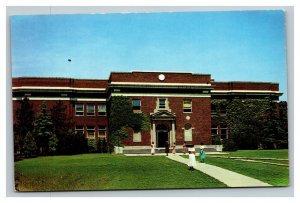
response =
{"points": [[92, 146], [216, 140], [229, 145]]}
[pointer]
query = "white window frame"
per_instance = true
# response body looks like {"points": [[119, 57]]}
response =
{"points": [[189, 108], [188, 134], [101, 113], [81, 112], [224, 134], [140, 106], [87, 110], [79, 128], [101, 129], [165, 105], [90, 128], [137, 136], [216, 131]]}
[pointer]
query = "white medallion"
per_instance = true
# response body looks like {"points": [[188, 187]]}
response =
{"points": [[161, 77], [187, 117]]}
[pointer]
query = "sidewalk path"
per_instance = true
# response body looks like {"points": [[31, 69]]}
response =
{"points": [[230, 178]]}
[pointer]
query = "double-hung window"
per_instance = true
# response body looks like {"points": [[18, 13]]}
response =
{"points": [[90, 132], [136, 105], [162, 103], [101, 110], [79, 109], [90, 111], [101, 131], [79, 130], [187, 106]]}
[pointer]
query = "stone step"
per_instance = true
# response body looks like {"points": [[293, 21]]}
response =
{"points": [[160, 150]]}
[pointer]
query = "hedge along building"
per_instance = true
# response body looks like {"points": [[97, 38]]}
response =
{"points": [[179, 105]]}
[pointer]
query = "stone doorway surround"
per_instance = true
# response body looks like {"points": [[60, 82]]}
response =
{"points": [[163, 118]]}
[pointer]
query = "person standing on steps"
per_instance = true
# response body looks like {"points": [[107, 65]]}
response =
{"points": [[174, 148], [167, 146], [152, 148], [192, 158]]}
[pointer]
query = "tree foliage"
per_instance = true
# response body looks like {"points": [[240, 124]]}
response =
{"points": [[29, 147], [253, 122], [43, 129], [24, 123], [122, 118]]}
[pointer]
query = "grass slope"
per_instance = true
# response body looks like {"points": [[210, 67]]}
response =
{"points": [[106, 172], [272, 174]]}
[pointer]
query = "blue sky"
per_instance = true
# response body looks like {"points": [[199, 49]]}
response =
{"points": [[229, 45]]}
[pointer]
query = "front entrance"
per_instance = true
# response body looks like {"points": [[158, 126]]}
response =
{"points": [[162, 137], [163, 128]]}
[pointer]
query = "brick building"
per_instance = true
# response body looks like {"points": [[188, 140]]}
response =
{"points": [[179, 104]]}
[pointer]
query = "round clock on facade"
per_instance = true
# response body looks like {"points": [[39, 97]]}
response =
{"points": [[161, 77]]}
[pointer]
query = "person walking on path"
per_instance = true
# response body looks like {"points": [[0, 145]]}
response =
{"points": [[192, 158], [152, 148], [184, 148], [202, 154], [174, 148], [167, 146]]}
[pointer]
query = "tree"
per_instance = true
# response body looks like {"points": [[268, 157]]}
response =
{"points": [[24, 124], [53, 142], [43, 129], [29, 148], [122, 118], [61, 125], [245, 121]]}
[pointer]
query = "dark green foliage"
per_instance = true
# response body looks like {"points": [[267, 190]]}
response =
{"points": [[122, 118], [53, 142], [216, 140], [254, 123], [229, 145], [77, 143], [29, 147], [24, 123], [245, 120], [101, 146], [61, 125], [43, 129], [92, 145]]}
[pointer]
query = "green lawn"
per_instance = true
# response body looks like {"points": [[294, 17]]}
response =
{"points": [[272, 174], [106, 172], [278, 154]]}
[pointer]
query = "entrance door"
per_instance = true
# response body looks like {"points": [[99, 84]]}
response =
{"points": [[162, 137]]}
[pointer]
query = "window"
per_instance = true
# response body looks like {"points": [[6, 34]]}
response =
{"points": [[187, 106], [79, 109], [161, 103], [101, 132], [223, 133], [101, 110], [137, 136], [79, 130], [188, 132], [214, 131], [90, 132], [136, 105], [90, 111]]}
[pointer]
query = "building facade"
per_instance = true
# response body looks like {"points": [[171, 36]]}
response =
{"points": [[179, 105]]}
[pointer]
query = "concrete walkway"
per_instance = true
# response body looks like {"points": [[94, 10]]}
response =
{"points": [[229, 178]]}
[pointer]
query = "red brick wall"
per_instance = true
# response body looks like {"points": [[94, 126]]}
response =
{"points": [[245, 86], [78, 120], [200, 119], [59, 82], [153, 77]]}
